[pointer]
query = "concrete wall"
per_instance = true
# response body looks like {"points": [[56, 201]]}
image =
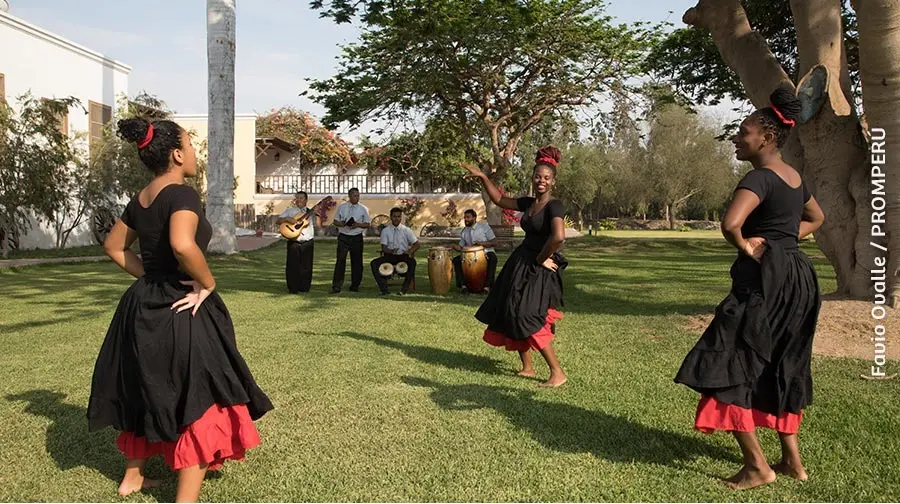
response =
{"points": [[49, 66]]}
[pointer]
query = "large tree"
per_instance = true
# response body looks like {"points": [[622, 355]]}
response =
{"points": [[812, 46], [493, 69], [220, 38], [684, 160]]}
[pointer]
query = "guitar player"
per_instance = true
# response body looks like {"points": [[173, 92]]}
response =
{"points": [[298, 266]]}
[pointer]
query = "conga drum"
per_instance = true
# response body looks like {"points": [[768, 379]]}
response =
{"points": [[474, 267], [440, 269]]}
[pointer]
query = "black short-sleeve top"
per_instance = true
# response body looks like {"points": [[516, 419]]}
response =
{"points": [[537, 227], [152, 226], [780, 210]]}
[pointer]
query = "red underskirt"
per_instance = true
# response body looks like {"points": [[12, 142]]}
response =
{"points": [[713, 415], [536, 341], [222, 433]]}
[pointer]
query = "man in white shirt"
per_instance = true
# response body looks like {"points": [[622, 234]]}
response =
{"points": [[476, 233], [298, 266], [398, 244], [352, 219]]}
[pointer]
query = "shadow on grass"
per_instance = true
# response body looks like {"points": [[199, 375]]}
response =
{"points": [[572, 429], [447, 358], [71, 445]]}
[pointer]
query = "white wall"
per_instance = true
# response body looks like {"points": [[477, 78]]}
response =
{"points": [[35, 60], [244, 149]]}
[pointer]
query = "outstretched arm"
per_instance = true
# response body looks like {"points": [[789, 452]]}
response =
{"points": [[496, 196]]}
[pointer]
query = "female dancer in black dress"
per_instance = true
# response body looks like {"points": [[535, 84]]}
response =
{"points": [[752, 365], [521, 309], [169, 375]]}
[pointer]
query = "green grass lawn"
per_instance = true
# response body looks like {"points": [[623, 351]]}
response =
{"points": [[85, 251], [398, 399]]}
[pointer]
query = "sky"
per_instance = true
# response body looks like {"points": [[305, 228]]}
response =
{"points": [[280, 44]]}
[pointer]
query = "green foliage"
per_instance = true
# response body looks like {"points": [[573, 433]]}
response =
{"points": [[490, 69], [315, 143], [685, 161], [580, 178], [35, 160], [689, 59], [430, 157]]}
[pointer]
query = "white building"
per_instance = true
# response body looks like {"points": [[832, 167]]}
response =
{"points": [[48, 66]]}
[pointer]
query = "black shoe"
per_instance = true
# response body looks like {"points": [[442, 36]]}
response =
{"points": [[402, 292], [335, 290], [354, 289], [384, 293]]}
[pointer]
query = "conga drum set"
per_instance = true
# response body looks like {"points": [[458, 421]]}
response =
{"points": [[474, 267], [440, 269]]}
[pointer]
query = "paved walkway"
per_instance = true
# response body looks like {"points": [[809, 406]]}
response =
{"points": [[245, 243]]}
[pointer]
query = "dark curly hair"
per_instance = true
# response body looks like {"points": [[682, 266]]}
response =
{"points": [[783, 102], [155, 154], [548, 156]]}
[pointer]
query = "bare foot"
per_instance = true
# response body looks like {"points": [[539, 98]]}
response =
{"points": [[798, 472], [555, 381], [529, 372], [133, 484], [748, 478]]}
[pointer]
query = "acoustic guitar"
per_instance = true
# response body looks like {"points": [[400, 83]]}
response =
{"points": [[293, 229]]}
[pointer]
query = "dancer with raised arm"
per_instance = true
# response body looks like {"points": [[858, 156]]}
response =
{"points": [[523, 306]]}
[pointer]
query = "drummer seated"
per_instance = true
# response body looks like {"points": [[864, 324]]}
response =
{"points": [[398, 245], [476, 233]]}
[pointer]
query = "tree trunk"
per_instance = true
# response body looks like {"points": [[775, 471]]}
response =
{"points": [[220, 38], [879, 54], [827, 150], [499, 167]]}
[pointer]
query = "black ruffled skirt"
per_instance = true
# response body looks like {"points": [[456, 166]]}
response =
{"points": [[522, 296], [159, 371], [756, 352]]}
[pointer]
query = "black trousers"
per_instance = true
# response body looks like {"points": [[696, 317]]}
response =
{"points": [[298, 266], [353, 245], [393, 259], [491, 269]]}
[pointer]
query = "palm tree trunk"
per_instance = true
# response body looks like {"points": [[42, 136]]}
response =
{"points": [[220, 41]]}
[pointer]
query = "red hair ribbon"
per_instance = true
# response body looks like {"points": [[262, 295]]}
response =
{"points": [[784, 120], [546, 160], [147, 139]]}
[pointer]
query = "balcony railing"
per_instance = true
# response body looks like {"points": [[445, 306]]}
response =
{"points": [[341, 184]]}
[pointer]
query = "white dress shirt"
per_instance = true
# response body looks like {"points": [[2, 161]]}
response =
{"points": [[398, 238], [347, 210], [479, 232]]}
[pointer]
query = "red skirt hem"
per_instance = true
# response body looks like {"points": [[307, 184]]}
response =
{"points": [[713, 415], [536, 341], [222, 433]]}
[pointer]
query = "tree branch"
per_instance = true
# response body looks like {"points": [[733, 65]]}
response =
{"points": [[744, 51]]}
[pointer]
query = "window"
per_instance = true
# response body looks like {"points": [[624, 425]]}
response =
{"points": [[98, 115], [63, 120]]}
